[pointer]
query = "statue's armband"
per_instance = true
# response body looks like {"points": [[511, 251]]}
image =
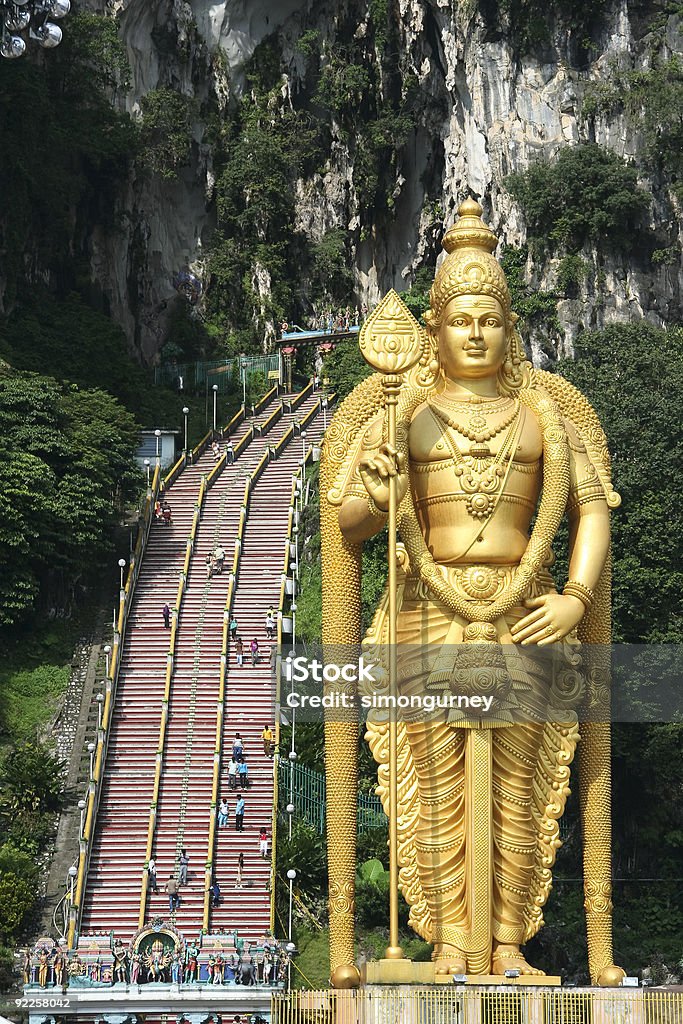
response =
{"points": [[585, 485]]}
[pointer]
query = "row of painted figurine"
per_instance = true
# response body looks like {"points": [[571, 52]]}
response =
{"points": [[49, 967]]}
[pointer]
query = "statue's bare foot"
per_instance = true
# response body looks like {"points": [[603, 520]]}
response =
{"points": [[449, 959], [508, 958]]}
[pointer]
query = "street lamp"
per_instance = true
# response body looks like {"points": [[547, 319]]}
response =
{"points": [[19, 15], [81, 807], [303, 447], [243, 365], [146, 465], [73, 871], [323, 403], [100, 700], [157, 434], [91, 751], [107, 652], [292, 760], [291, 875], [214, 388], [122, 566], [185, 414]]}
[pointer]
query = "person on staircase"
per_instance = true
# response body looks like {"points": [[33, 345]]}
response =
{"points": [[263, 843], [229, 453], [233, 629], [239, 651], [219, 556], [267, 737], [270, 626], [253, 646], [240, 871], [239, 814], [237, 746], [215, 893], [232, 773], [166, 613], [171, 889], [183, 864], [243, 772], [223, 813], [152, 883]]}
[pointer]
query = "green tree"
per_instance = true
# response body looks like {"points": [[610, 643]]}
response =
{"points": [[588, 195], [66, 461]]}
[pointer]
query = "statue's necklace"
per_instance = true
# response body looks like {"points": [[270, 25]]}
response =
{"points": [[477, 428], [481, 474]]}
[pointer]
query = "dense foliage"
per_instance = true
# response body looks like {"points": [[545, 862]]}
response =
{"points": [[588, 195], [66, 462]]}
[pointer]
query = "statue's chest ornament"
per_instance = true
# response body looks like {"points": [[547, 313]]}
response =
{"points": [[480, 473]]}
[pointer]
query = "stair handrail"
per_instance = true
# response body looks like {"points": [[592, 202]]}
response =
{"points": [[284, 441], [275, 417], [311, 414], [245, 439], [200, 447], [295, 402], [95, 784], [276, 757], [268, 397], [234, 422], [220, 706], [166, 700], [172, 474]]}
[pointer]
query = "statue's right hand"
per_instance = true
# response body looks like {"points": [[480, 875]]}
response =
{"points": [[376, 470]]}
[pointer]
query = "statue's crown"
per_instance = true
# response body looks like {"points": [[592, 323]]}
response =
{"points": [[469, 267], [469, 231]]}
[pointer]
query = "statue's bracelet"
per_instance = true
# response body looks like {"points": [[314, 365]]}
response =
{"points": [[375, 512], [575, 589]]}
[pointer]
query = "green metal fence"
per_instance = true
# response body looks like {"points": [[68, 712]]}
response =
{"points": [[226, 373], [306, 788]]}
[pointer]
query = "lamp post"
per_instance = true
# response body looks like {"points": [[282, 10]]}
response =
{"points": [[214, 388], [243, 366], [292, 761], [291, 875], [185, 414], [91, 751], [107, 652], [19, 16], [323, 403], [81, 807], [146, 465], [303, 447], [157, 435], [100, 701], [122, 566], [73, 871]]}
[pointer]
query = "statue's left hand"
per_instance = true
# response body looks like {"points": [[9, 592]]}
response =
{"points": [[553, 616]]}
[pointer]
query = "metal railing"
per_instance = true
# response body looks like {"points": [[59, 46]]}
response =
{"points": [[227, 373], [166, 700], [505, 1003], [95, 783], [310, 799]]}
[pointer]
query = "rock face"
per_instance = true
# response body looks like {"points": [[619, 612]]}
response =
{"points": [[487, 109]]}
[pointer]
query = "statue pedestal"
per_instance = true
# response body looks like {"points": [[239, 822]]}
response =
{"points": [[408, 972]]}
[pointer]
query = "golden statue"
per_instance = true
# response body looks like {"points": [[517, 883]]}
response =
{"points": [[458, 444]]}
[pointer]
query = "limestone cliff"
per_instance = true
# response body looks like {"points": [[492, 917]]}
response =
{"points": [[487, 107]]}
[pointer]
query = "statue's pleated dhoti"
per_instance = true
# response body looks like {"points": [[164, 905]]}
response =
{"points": [[475, 837]]}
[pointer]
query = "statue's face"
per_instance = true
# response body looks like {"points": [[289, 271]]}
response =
{"points": [[472, 337]]}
